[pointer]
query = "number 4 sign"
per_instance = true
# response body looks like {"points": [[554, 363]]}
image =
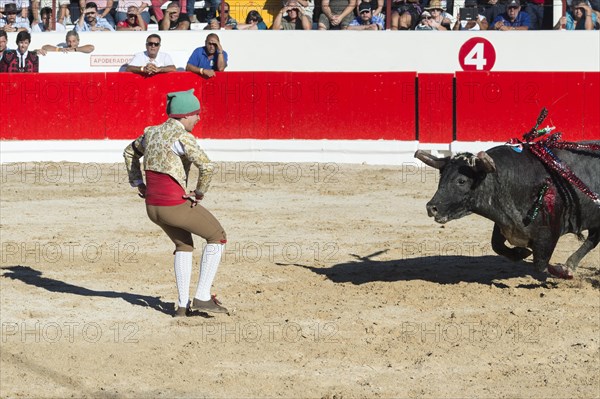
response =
{"points": [[477, 54]]}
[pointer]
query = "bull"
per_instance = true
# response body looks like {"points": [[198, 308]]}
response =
{"points": [[530, 204]]}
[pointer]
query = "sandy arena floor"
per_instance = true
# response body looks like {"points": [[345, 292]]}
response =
{"points": [[340, 286]]}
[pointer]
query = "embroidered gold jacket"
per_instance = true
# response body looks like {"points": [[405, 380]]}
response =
{"points": [[159, 145]]}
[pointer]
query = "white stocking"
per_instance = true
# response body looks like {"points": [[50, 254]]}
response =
{"points": [[183, 275], [208, 269]]}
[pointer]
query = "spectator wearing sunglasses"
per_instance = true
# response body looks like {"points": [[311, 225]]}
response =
{"points": [[151, 61], [134, 21], [291, 17], [12, 22], [440, 19], [229, 22], [513, 18], [366, 20], [104, 10], [254, 21], [90, 21]]}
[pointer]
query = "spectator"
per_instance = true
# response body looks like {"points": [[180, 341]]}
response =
{"points": [[21, 59], [424, 23], [579, 17], [366, 20], [151, 62], [204, 61], [214, 6], [535, 9], [157, 10], [3, 43], [71, 44], [11, 22], [490, 9], [215, 23], [90, 21], [44, 25], [477, 23], [254, 21], [142, 6], [294, 20], [37, 13], [104, 10], [376, 7], [513, 18], [22, 6], [405, 14], [175, 19], [308, 8], [134, 21], [336, 14], [440, 19]]}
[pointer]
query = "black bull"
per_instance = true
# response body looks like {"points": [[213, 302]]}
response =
{"points": [[530, 205]]}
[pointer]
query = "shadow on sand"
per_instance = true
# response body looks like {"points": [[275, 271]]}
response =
{"points": [[436, 269], [34, 277]]}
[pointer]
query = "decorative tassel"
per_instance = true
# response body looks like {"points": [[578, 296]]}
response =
{"points": [[542, 149]]}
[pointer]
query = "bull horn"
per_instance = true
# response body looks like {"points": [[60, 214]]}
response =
{"points": [[431, 160], [485, 163]]}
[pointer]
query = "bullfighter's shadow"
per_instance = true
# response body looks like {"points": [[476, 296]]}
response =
{"points": [[34, 277], [436, 269]]}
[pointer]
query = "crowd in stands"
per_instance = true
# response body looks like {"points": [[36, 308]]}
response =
{"points": [[109, 15]]}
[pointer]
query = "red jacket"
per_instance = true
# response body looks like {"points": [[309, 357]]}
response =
{"points": [[10, 62]]}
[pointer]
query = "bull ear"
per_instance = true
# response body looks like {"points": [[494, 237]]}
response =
{"points": [[431, 160], [485, 163]]}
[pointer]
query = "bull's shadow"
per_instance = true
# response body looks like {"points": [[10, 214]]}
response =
{"points": [[33, 277], [436, 269]]}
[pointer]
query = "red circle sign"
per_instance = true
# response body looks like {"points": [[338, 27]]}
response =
{"points": [[477, 54]]}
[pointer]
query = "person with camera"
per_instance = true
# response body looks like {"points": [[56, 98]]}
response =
{"points": [[175, 19], [366, 20], [291, 17], [469, 18]]}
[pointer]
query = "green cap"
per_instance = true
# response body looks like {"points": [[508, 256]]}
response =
{"points": [[182, 103]]}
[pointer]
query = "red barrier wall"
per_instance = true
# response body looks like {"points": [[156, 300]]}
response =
{"points": [[289, 105], [436, 98], [494, 106], [235, 105]]}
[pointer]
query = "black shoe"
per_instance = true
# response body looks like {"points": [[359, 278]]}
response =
{"points": [[182, 312]]}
